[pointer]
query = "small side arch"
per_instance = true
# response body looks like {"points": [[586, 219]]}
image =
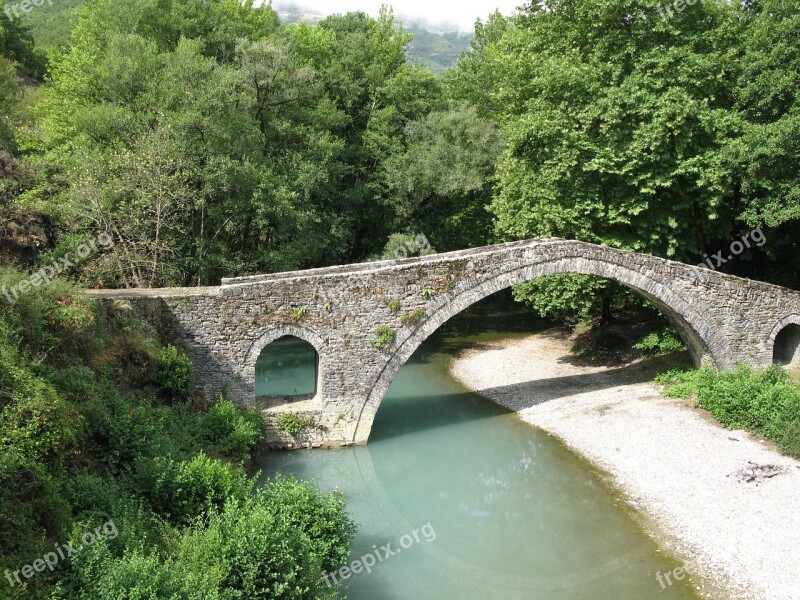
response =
{"points": [[248, 371], [785, 341], [690, 323]]}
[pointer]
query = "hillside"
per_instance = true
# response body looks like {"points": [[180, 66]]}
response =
{"points": [[51, 23], [433, 47]]}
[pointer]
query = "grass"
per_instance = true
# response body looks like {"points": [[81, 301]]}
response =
{"points": [[763, 402]]}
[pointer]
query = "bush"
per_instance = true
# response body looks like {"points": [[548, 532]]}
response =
{"points": [[137, 575], [322, 518], [53, 319], [765, 402], [293, 423], [173, 372], [659, 343], [270, 545], [249, 552], [183, 492], [232, 432]]}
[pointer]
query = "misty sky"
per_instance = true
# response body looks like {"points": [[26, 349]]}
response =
{"points": [[461, 12]]}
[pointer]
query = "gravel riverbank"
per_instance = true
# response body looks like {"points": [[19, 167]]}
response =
{"points": [[724, 502]]}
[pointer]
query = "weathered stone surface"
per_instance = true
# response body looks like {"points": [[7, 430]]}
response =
{"points": [[724, 320]]}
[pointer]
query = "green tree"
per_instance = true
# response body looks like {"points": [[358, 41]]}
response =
{"points": [[764, 160], [17, 45], [442, 181], [622, 124]]}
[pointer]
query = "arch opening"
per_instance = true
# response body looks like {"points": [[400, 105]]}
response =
{"points": [[786, 350], [287, 370], [689, 323]]}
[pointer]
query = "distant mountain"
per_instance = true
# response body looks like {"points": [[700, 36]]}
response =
{"points": [[292, 13], [437, 51], [435, 46]]}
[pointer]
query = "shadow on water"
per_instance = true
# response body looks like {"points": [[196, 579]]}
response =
{"points": [[407, 415]]}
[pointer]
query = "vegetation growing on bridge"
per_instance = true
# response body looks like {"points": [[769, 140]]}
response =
{"points": [[413, 317], [385, 336], [292, 423]]}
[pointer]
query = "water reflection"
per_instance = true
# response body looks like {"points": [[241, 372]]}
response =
{"points": [[287, 367]]}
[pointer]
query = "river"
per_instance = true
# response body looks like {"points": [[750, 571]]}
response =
{"points": [[500, 509]]}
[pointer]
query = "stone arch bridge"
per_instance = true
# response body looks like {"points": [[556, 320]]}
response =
{"points": [[724, 320]]}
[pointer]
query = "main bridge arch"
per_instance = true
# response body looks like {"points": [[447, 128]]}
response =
{"points": [[690, 323]]}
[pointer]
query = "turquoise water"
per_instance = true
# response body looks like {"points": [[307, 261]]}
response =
{"points": [[501, 510]]}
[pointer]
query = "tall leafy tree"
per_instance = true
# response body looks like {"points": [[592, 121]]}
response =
{"points": [[442, 181], [625, 128]]}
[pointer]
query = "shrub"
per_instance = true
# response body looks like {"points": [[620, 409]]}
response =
{"points": [[658, 343], [231, 432], [394, 306], [413, 317], [249, 552], [765, 402], [55, 316], [292, 423], [385, 337], [322, 518], [173, 372], [680, 383], [185, 491]]}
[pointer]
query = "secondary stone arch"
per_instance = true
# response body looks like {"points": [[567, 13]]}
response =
{"points": [[248, 372], [784, 341], [691, 324]]}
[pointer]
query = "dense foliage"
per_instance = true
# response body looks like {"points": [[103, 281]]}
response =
{"points": [[210, 139], [90, 434], [671, 136], [765, 402]]}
